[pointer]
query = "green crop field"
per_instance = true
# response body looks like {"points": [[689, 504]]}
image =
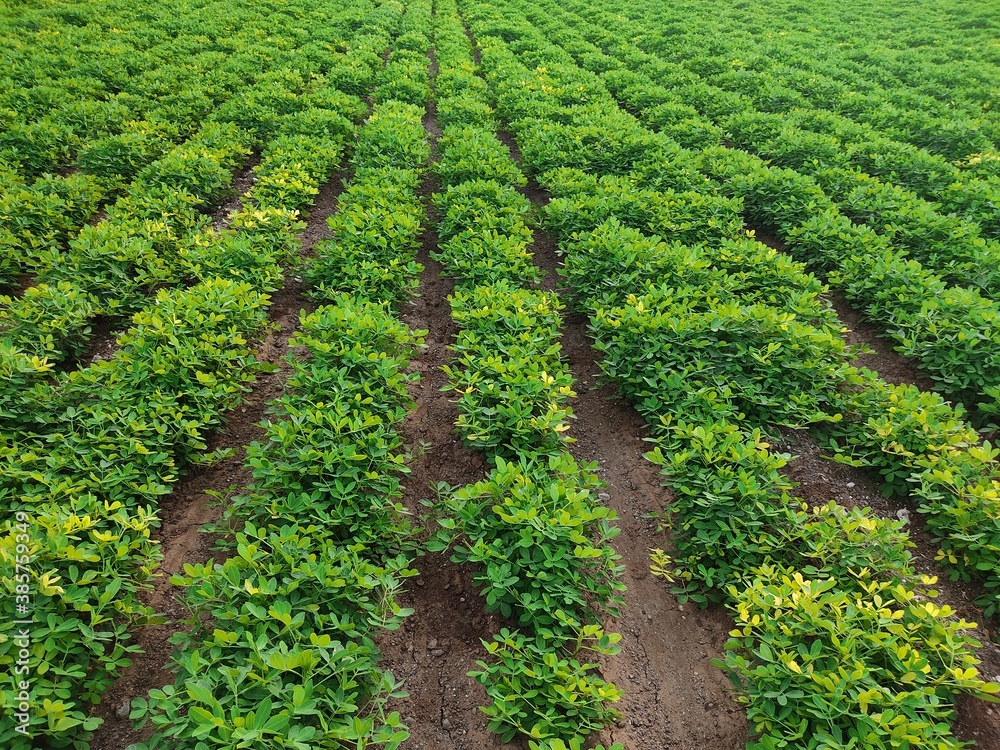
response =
{"points": [[456, 374]]}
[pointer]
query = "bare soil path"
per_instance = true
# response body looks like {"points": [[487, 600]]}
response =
{"points": [[673, 698]]}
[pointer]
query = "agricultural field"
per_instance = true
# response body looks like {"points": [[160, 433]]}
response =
{"points": [[455, 374]]}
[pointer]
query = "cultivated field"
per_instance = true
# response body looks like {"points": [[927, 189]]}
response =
{"points": [[462, 374]]}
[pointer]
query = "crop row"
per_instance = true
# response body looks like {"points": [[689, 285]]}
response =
{"points": [[88, 453], [795, 133], [917, 442], [824, 71], [282, 648], [715, 342], [139, 116], [950, 331], [533, 529], [955, 237], [156, 234]]}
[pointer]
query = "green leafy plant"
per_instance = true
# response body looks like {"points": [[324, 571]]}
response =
{"points": [[818, 669], [540, 694], [538, 535]]}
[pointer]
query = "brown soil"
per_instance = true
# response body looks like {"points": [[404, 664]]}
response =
{"points": [[534, 192], [100, 215], [821, 480], [477, 56], [189, 507], [103, 342], [672, 695], [19, 284], [441, 641], [507, 138], [232, 202], [104, 333], [890, 365]]}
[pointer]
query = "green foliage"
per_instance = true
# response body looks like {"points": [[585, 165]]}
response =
{"points": [[287, 656], [511, 384], [464, 109], [375, 238], [281, 650], [481, 205], [472, 152], [336, 438], [538, 537], [48, 321], [379, 217], [404, 78], [484, 234], [667, 343], [291, 168], [540, 694], [258, 243], [393, 137], [532, 528], [143, 411], [119, 158], [690, 217], [950, 331], [40, 216], [732, 512], [820, 670]]}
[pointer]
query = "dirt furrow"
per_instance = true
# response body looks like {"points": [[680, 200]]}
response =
{"points": [[820, 480], [190, 506], [673, 698], [105, 329], [436, 647], [441, 641], [232, 201]]}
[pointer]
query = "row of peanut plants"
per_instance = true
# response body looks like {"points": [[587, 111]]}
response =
{"points": [[922, 204], [114, 103], [281, 652], [787, 66], [950, 331], [716, 338], [88, 454], [940, 98], [919, 444], [157, 233], [533, 529]]}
